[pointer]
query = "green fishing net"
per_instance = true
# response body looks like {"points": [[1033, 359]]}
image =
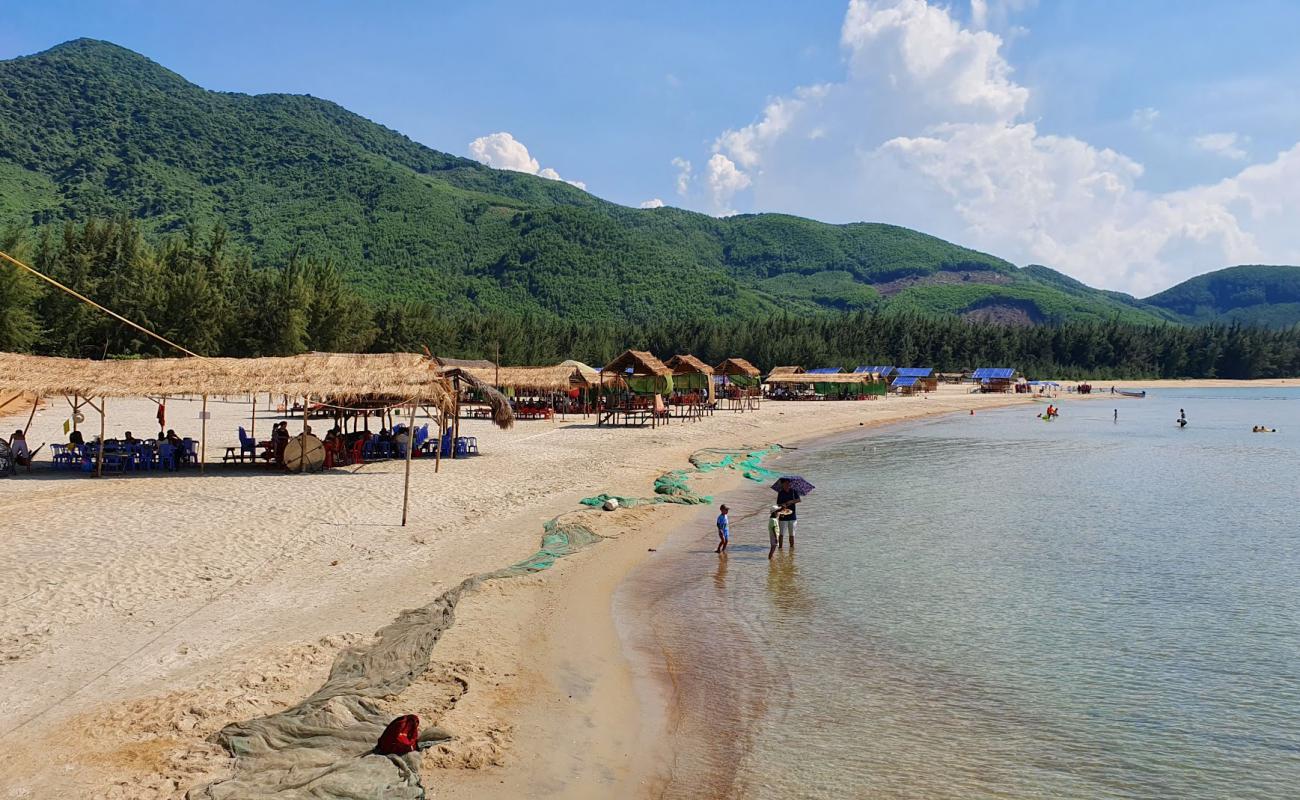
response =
{"points": [[323, 747]]}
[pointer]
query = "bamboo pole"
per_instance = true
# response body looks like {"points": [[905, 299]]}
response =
{"points": [[410, 448], [252, 433], [455, 422], [442, 430], [103, 412], [73, 403], [31, 416], [203, 435], [306, 403]]}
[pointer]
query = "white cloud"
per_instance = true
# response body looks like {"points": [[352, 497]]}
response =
{"points": [[1144, 118], [724, 181], [653, 202], [684, 175], [986, 14], [928, 129], [501, 150], [1227, 145]]}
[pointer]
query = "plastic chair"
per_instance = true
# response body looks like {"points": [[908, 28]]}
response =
{"points": [[167, 456], [62, 458], [190, 454], [247, 445]]}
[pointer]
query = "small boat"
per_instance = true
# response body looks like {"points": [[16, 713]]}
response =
{"points": [[1131, 393]]}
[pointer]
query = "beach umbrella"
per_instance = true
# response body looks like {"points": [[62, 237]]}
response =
{"points": [[796, 482]]}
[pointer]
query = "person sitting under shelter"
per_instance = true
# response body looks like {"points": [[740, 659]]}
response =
{"points": [[76, 439], [178, 448], [18, 449]]}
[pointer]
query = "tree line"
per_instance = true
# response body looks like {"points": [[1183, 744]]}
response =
{"points": [[197, 290]]}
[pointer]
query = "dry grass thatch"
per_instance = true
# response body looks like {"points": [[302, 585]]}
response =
{"points": [[688, 365], [737, 366], [337, 378], [502, 414], [641, 363], [463, 363], [782, 371], [836, 377]]}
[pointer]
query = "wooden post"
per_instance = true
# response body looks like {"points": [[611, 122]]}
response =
{"points": [[203, 434], [305, 404], [252, 433], [410, 448], [75, 399], [455, 421], [103, 412], [437, 454], [36, 402]]}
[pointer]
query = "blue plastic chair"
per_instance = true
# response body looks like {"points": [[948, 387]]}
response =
{"points": [[247, 444], [167, 456]]}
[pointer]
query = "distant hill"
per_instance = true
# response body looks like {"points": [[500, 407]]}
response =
{"points": [[1254, 294], [89, 129]]}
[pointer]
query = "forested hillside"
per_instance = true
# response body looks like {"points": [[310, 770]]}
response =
{"points": [[90, 130], [1255, 295]]}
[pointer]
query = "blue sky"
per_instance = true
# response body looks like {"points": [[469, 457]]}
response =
{"points": [[1130, 144]]}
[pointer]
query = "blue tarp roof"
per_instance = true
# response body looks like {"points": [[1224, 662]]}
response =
{"points": [[987, 373], [901, 381], [824, 371], [882, 371], [915, 372]]}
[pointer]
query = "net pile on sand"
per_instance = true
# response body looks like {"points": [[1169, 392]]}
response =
{"points": [[323, 748]]}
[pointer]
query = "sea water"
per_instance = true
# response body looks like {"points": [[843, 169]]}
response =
{"points": [[997, 606]]}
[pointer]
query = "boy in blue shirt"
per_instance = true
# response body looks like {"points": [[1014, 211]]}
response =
{"points": [[724, 529]]}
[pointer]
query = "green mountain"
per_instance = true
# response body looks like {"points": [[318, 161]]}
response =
{"points": [[1256, 295], [91, 130]]}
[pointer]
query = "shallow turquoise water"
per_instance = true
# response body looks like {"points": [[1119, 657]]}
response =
{"points": [[994, 606]]}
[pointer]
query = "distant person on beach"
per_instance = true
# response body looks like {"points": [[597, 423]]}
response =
{"points": [[1182, 418], [1117, 415], [724, 529], [787, 497]]}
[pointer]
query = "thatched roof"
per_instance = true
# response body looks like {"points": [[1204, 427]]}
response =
{"points": [[834, 377], [463, 363], [737, 366], [688, 365], [527, 379], [502, 414], [641, 362], [334, 377], [589, 375], [780, 371]]}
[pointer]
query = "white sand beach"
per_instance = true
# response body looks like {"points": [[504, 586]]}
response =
{"points": [[143, 613]]}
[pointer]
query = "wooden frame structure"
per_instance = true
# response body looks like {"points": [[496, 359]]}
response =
{"points": [[398, 380], [741, 384], [692, 387], [642, 375]]}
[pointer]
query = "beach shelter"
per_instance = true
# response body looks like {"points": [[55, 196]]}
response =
{"points": [[917, 379], [994, 379], [340, 381], [741, 384], [692, 384], [645, 381]]}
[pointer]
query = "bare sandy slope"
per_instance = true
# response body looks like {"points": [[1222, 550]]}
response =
{"points": [[144, 613]]}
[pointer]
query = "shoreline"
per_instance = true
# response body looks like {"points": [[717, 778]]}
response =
{"points": [[529, 662]]}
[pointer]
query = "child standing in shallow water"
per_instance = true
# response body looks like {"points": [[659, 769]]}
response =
{"points": [[724, 529], [773, 527]]}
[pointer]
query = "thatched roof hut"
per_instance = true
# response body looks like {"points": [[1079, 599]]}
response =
{"points": [[640, 362], [339, 377], [737, 367], [779, 372], [688, 365]]}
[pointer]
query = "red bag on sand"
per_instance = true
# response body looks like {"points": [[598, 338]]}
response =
{"points": [[402, 736]]}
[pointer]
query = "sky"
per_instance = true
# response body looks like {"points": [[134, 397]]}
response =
{"points": [[1129, 144]]}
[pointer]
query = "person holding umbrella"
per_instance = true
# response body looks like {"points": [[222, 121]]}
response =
{"points": [[789, 491]]}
